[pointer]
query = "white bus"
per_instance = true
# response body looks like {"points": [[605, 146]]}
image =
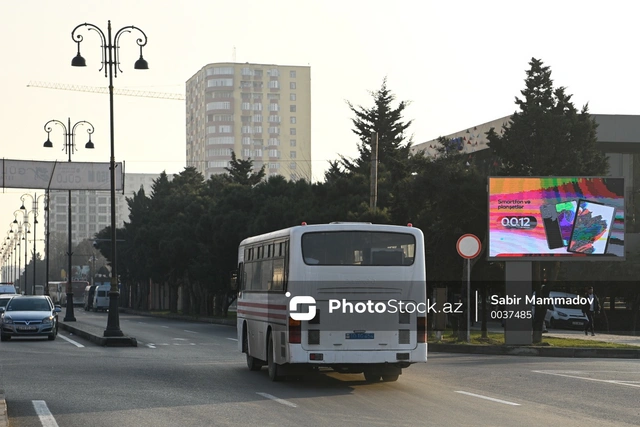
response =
{"points": [[358, 291]]}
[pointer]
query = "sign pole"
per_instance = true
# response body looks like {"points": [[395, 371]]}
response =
{"points": [[469, 247]]}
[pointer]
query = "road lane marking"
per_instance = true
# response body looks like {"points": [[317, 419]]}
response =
{"points": [[164, 327], [277, 399], [46, 417], [233, 339], [77, 344], [191, 332], [620, 382], [488, 398]]}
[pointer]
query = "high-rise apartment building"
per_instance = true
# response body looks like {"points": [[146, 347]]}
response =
{"points": [[261, 112]]}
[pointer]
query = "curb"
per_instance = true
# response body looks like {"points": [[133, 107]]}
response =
{"points": [[620, 353], [100, 340], [4, 418]]}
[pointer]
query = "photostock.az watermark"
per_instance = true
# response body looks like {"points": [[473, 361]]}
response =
{"points": [[371, 307]]}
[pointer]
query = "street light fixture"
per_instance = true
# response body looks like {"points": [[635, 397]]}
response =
{"points": [[69, 148], [34, 203], [111, 64]]}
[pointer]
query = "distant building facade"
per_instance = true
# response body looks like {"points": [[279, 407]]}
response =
{"points": [[260, 111], [91, 210]]}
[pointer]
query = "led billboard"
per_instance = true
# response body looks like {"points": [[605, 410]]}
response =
{"points": [[574, 218]]}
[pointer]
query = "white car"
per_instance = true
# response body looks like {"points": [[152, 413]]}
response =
{"points": [[568, 316]]}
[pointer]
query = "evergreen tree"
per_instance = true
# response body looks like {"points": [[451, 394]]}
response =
{"points": [[548, 136], [393, 146], [241, 171]]}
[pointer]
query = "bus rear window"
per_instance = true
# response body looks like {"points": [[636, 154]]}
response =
{"points": [[358, 248]]}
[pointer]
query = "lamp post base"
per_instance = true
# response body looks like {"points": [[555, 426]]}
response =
{"points": [[113, 320], [70, 316]]}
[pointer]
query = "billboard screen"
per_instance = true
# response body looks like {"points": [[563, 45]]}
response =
{"points": [[574, 218]]}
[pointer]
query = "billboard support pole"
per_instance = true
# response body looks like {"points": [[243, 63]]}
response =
{"points": [[517, 330]]}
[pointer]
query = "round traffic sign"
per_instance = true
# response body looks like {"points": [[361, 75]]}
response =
{"points": [[469, 246]]}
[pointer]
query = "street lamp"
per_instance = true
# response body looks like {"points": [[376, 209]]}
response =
{"points": [[34, 210], [69, 148], [111, 64]]}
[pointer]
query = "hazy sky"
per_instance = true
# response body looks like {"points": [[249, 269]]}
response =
{"points": [[460, 63]]}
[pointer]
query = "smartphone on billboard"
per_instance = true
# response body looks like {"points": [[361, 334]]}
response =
{"points": [[566, 216], [551, 226], [591, 228]]}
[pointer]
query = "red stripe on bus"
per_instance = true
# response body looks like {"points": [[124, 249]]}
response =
{"points": [[259, 314], [259, 305]]}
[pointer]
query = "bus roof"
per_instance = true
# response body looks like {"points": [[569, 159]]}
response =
{"points": [[334, 226]]}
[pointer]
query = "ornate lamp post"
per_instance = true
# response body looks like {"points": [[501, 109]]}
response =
{"points": [[69, 148], [34, 200], [111, 65]]}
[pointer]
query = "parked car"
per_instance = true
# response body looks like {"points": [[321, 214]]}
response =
{"points": [[5, 298], [569, 316], [7, 288], [28, 316]]}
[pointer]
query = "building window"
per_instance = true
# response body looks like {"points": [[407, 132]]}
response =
{"points": [[257, 129], [274, 107], [218, 164], [257, 107], [102, 218], [292, 143], [274, 130], [273, 96], [257, 142], [292, 131], [292, 85], [292, 97], [224, 129], [246, 153], [101, 209], [247, 71], [246, 106], [246, 140], [292, 74], [273, 72], [219, 70], [258, 153], [274, 154], [219, 105], [220, 83], [245, 119], [274, 119], [92, 209], [292, 108], [274, 142], [274, 84], [292, 165], [223, 94], [219, 140], [292, 154], [257, 118], [274, 165], [292, 120]]}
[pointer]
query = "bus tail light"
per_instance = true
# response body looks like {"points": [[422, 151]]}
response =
{"points": [[295, 331], [422, 329]]}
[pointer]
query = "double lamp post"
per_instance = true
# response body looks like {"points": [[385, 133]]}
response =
{"points": [[111, 65]]}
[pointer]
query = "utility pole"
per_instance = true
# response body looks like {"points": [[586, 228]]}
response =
{"points": [[373, 199]]}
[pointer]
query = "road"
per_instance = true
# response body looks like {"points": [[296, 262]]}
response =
{"points": [[191, 374]]}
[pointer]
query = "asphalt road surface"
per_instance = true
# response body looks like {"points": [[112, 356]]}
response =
{"points": [[191, 374]]}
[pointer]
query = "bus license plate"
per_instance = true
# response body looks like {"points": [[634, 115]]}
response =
{"points": [[27, 328], [578, 323], [359, 336]]}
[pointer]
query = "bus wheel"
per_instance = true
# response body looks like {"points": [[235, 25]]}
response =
{"points": [[371, 377], [271, 363], [390, 378], [252, 363]]}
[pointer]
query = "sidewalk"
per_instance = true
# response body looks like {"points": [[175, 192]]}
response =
{"points": [[545, 351]]}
